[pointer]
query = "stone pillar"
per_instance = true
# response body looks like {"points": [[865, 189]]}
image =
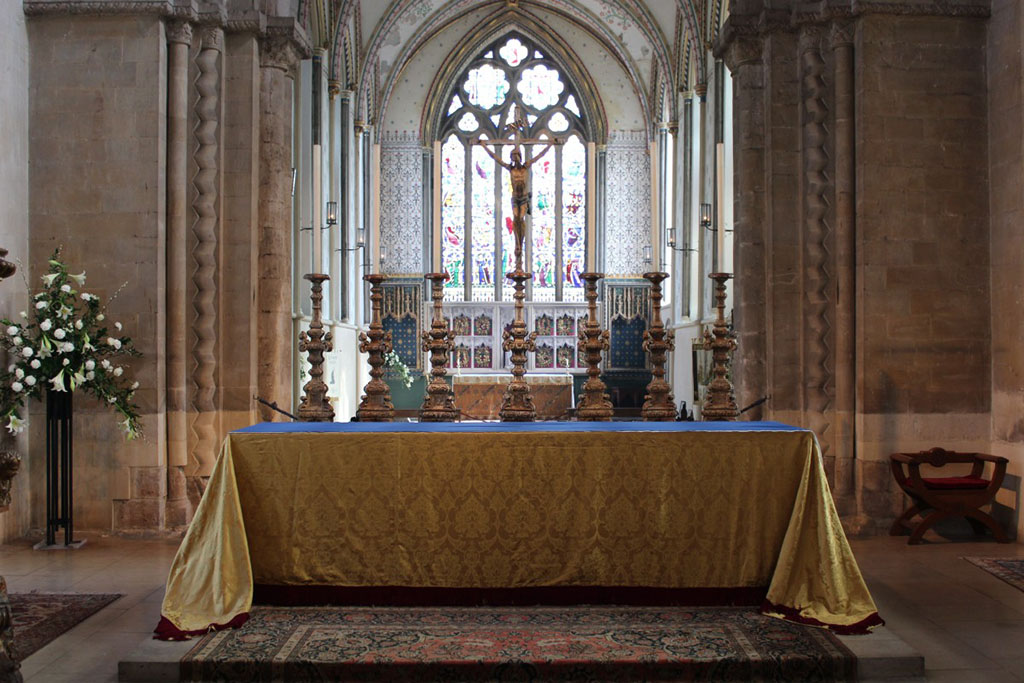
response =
{"points": [[205, 255], [750, 125], [278, 58], [846, 253], [179, 38]]}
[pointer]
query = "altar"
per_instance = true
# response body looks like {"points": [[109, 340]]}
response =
{"points": [[621, 505]]}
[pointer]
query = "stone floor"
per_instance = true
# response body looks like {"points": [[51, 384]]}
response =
{"points": [[968, 625]]}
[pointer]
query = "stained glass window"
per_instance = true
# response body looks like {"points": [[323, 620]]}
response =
{"points": [[477, 241]]}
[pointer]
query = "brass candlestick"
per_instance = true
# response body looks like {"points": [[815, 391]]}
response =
{"points": [[594, 403], [439, 403], [659, 404], [315, 406], [517, 403], [375, 405], [720, 404]]}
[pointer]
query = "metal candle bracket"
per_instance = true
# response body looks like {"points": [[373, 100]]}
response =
{"points": [[315, 406], [517, 403], [439, 403], [720, 403], [594, 403], [659, 404], [375, 405]]}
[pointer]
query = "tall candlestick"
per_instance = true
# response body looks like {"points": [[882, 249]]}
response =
{"points": [[317, 261], [720, 163]]}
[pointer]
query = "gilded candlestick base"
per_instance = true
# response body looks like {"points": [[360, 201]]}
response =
{"points": [[315, 406], [375, 405], [594, 403], [659, 404], [517, 403], [720, 403], [439, 403]]}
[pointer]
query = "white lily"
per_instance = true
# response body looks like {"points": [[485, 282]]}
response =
{"points": [[65, 311], [58, 382], [15, 424], [48, 279], [79, 279]]}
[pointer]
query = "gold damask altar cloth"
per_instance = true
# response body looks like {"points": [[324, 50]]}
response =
{"points": [[518, 508]]}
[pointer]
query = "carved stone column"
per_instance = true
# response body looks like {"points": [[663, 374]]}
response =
{"points": [[204, 256], [278, 58], [179, 38]]}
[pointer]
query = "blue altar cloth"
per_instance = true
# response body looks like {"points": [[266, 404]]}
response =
{"points": [[499, 427]]}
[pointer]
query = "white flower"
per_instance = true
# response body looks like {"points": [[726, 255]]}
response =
{"points": [[45, 325], [35, 364], [19, 373], [64, 311], [16, 424], [17, 386], [30, 380], [17, 341], [100, 317], [67, 361], [27, 352], [41, 295], [118, 371], [116, 343], [86, 296], [135, 385], [105, 363], [118, 326], [68, 347], [48, 279], [80, 278], [59, 333], [90, 375], [65, 288], [90, 364], [58, 382], [40, 305], [78, 324], [12, 330], [112, 399], [23, 314]]}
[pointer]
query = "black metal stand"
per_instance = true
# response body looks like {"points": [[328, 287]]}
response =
{"points": [[59, 458]]}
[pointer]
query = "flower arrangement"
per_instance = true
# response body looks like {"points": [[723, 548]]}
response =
{"points": [[401, 370], [62, 344]]}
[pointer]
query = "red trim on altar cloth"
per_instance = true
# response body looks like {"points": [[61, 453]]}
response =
{"points": [[860, 628], [165, 630]]}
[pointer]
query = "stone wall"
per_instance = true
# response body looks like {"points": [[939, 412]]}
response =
{"points": [[14, 117], [1006, 202]]}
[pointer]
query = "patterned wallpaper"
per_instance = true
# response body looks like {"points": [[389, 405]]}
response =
{"points": [[628, 202], [401, 202]]}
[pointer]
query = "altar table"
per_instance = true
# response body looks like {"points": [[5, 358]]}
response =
{"points": [[654, 505]]}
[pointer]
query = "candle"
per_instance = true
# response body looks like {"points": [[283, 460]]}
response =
{"points": [[591, 262], [720, 163], [438, 236], [317, 247]]}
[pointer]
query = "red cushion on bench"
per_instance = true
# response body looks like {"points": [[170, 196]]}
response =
{"points": [[955, 482]]}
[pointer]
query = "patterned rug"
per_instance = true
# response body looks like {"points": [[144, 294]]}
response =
{"points": [[517, 644], [1008, 569], [41, 617]]}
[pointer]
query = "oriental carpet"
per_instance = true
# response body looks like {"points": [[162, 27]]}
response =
{"points": [[1008, 569], [517, 644], [41, 617]]}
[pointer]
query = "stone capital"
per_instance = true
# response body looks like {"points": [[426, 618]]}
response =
{"points": [[811, 38], [179, 32], [841, 34], [743, 50], [211, 37], [279, 53]]}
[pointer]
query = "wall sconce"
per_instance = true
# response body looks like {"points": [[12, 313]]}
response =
{"points": [[295, 175], [360, 240], [383, 254], [332, 214], [672, 242], [647, 255], [705, 217]]}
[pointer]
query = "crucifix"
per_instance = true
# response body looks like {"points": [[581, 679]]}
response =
{"points": [[519, 172]]}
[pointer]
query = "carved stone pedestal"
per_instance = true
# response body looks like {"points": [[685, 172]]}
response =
{"points": [[439, 403], [375, 405], [517, 404], [659, 404], [594, 403]]}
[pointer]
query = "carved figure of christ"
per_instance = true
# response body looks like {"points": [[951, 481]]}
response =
{"points": [[519, 172]]}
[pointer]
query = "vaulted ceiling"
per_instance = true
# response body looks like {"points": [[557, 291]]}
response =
{"points": [[662, 44]]}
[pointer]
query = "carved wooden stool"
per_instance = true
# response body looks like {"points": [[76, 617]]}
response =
{"points": [[936, 498]]}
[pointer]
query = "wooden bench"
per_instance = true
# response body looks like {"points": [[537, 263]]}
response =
{"points": [[936, 498]]}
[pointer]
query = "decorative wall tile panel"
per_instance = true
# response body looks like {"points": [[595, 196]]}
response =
{"points": [[401, 202], [403, 301], [627, 303], [628, 198]]}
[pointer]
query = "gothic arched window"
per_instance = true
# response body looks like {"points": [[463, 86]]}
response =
{"points": [[477, 243]]}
